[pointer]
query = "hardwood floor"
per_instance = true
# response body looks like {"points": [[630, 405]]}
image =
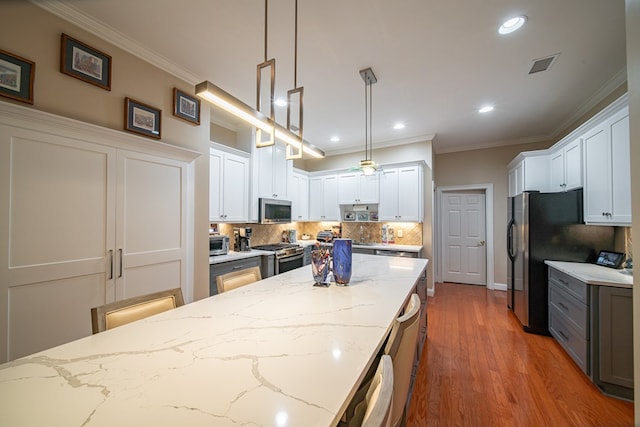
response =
{"points": [[479, 368]]}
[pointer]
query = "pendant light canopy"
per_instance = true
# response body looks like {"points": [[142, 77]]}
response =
{"points": [[367, 166]]}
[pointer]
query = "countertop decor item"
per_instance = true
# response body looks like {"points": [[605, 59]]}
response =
{"points": [[320, 259], [342, 261]]}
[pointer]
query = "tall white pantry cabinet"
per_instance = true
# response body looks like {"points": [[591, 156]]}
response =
{"points": [[88, 216]]}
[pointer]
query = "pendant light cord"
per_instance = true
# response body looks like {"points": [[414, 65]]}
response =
{"points": [[266, 9], [295, 50]]}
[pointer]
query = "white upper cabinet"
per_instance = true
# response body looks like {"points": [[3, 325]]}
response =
{"points": [[358, 188], [607, 174], [272, 171], [401, 197], [323, 198], [529, 171], [565, 164], [228, 187], [299, 192]]}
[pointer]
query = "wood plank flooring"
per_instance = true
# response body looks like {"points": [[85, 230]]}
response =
{"points": [[479, 368]]}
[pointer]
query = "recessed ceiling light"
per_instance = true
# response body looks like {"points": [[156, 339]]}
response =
{"points": [[281, 102], [335, 139], [512, 24], [398, 126], [486, 109]]}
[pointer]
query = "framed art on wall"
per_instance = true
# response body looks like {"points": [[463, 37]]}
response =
{"points": [[141, 118], [186, 107], [84, 62], [16, 77]]}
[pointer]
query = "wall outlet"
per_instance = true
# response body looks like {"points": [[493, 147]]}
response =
{"points": [[399, 233]]}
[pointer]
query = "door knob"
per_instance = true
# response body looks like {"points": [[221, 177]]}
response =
{"points": [[481, 243]]}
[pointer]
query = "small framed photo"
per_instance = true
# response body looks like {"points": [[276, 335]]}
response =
{"points": [[142, 118], [363, 216], [186, 107], [85, 63], [16, 77], [349, 216]]}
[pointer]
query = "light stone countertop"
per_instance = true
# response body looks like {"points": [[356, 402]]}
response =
{"points": [[593, 274], [277, 352], [233, 256], [388, 247]]}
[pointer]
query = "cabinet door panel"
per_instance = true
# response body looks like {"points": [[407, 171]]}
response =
{"points": [[215, 185], [573, 165], [621, 171], [369, 188], [316, 198], [235, 194], [150, 230], [389, 195], [348, 188], [331, 207], [557, 171], [409, 194], [597, 174]]}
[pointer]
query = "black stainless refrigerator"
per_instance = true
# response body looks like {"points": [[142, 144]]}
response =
{"points": [[545, 226]]}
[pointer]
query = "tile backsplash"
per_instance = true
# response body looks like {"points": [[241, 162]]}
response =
{"points": [[368, 231]]}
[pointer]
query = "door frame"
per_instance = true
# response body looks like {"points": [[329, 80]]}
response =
{"points": [[439, 238]]}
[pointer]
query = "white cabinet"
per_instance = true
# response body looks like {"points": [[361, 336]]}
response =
{"points": [[272, 171], [323, 198], [401, 197], [358, 188], [228, 187], [607, 174], [299, 193], [85, 222], [529, 171], [565, 165]]}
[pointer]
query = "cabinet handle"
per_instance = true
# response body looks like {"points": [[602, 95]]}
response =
{"points": [[563, 282], [120, 253], [563, 335], [563, 306], [238, 267], [110, 264]]}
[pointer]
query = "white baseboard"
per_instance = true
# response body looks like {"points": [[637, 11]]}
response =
{"points": [[500, 287], [431, 292]]}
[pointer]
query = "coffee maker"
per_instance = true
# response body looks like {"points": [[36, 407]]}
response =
{"points": [[242, 239]]}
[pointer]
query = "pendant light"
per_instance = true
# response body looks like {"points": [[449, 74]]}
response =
{"points": [[265, 101], [295, 97], [367, 166]]}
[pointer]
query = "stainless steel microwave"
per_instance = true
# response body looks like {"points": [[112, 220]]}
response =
{"points": [[218, 245], [274, 211]]}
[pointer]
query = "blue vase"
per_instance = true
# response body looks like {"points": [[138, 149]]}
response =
{"points": [[342, 256]]}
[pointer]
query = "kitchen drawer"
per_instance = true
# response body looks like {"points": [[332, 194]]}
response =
{"points": [[569, 284], [576, 346], [576, 312]]}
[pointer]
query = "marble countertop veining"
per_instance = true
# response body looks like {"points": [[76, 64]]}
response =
{"points": [[278, 352], [593, 274]]}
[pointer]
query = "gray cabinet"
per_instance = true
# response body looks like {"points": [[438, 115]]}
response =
{"points": [[569, 321], [219, 269], [613, 365]]}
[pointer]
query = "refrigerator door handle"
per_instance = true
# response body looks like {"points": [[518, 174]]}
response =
{"points": [[510, 252]]}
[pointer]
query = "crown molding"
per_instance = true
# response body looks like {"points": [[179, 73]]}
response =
{"points": [[69, 13], [383, 144]]}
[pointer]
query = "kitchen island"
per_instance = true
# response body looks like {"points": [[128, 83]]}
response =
{"points": [[277, 352]]}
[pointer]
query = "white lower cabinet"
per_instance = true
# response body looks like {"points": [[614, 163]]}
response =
{"points": [[607, 190], [323, 198], [87, 222], [401, 197], [228, 187]]}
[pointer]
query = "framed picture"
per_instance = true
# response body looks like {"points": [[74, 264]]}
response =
{"points": [[85, 63], [186, 107], [141, 118], [16, 77], [363, 216], [349, 216]]}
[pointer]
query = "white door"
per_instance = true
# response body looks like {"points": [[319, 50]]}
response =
{"points": [[464, 237]]}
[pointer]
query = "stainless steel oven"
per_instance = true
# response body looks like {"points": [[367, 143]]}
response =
{"points": [[287, 256]]}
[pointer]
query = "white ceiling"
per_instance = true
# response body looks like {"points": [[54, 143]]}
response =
{"points": [[436, 61]]}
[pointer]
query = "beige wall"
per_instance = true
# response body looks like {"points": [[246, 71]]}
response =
{"points": [[420, 151], [633, 77], [34, 34], [487, 166]]}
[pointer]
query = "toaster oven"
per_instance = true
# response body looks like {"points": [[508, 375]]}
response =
{"points": [[218, 245]]}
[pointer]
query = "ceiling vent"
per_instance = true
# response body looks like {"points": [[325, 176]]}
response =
{"points": [[543, 64]]}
